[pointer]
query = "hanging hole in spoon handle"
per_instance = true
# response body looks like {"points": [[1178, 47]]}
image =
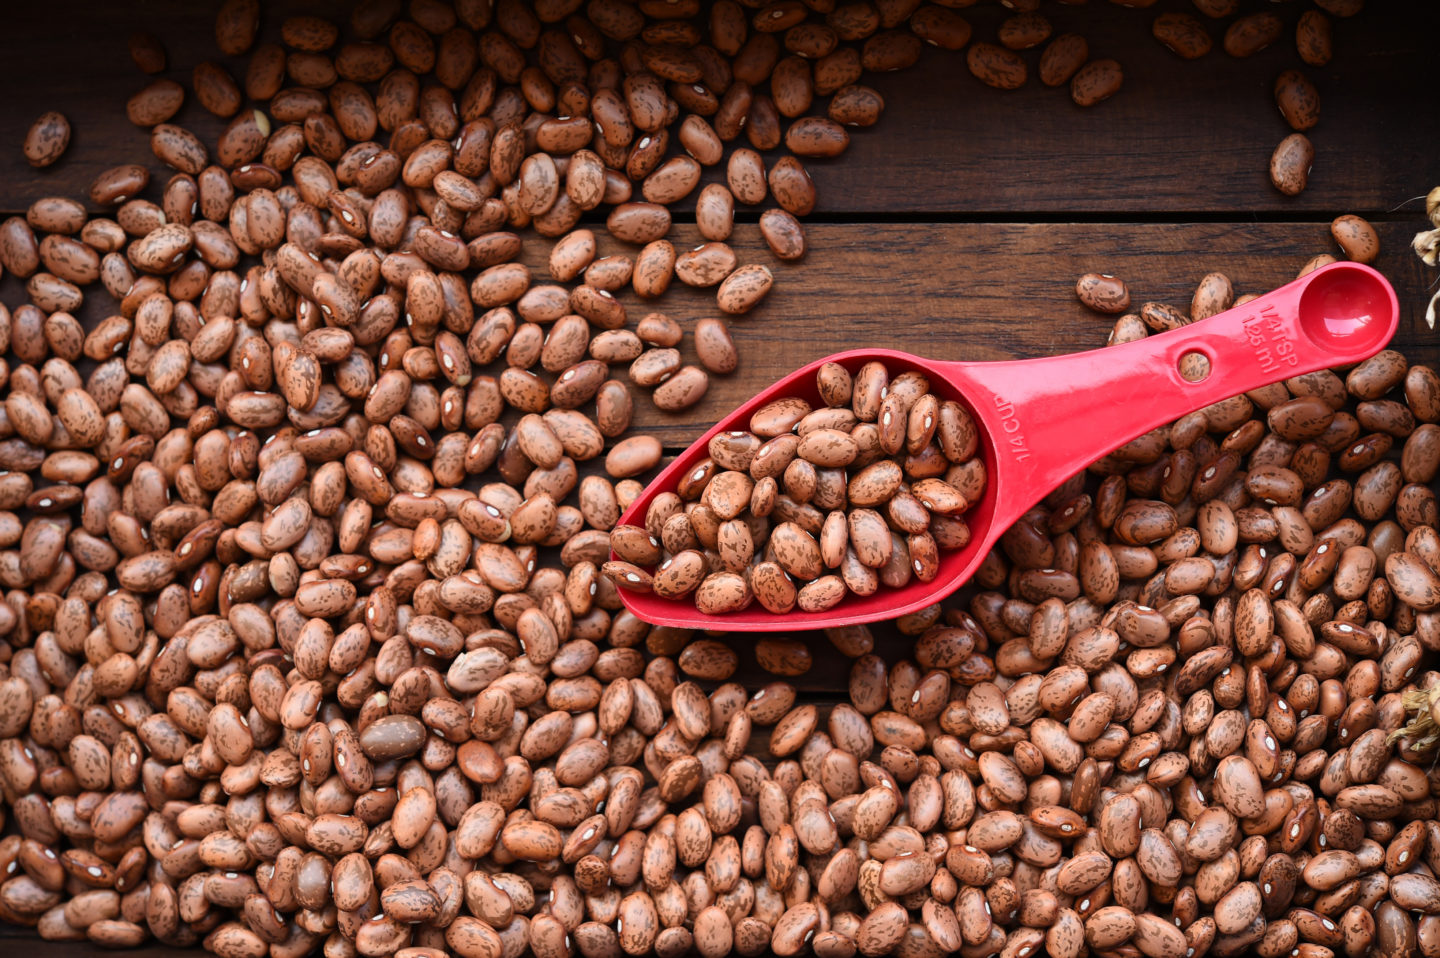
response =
{"points": [[1049, 418]]}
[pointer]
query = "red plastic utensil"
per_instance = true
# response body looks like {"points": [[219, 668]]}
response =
{"points": [[1043, 420]]}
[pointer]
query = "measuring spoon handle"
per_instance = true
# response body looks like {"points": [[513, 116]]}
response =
{"points": [[1051, 417]]}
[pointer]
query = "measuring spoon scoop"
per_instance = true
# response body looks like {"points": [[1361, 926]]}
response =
{"points": [[1040, 421]]}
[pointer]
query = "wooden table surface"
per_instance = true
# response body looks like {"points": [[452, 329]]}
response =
{"points": [[957, 226]]}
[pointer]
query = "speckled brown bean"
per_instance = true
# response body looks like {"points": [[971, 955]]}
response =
{"points": [[941, 27], [682, 390], [816, 136], [47, 139], [773, 587], [745, 175], [792, 187], [856, 105], [715, 212], [1290, 164], [890, 50], [654, 269], [1024, 30], [723, 592], [613, 408], [1096, 81], [1214, 294], [392, 737], [1103, 293], [178, 148], [1251, 34], [1357, 238], [117, 184], [236, 23], [783, 234], [638, 223], [835, 384], [743, 289], [714, 346], [1063, 56], [1182, 34], [996, 66], [1298, 100], [572, 254], [1312, 38], [705, 265], [215, 89], [882, 929], [633, 456]]}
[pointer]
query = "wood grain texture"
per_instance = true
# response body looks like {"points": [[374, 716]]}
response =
{"points": [[957, 291], [991, 291], [1179, 137]]}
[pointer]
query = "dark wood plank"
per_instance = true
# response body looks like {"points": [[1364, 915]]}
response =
{"points": [[993, 291], [969, 291], [1181, 136], [25, 938]]}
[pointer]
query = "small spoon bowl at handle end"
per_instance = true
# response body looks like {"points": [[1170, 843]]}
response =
{"points": [[1051, 417]]}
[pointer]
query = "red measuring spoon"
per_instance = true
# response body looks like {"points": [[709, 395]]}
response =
{"points": [[1043, 420]]}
